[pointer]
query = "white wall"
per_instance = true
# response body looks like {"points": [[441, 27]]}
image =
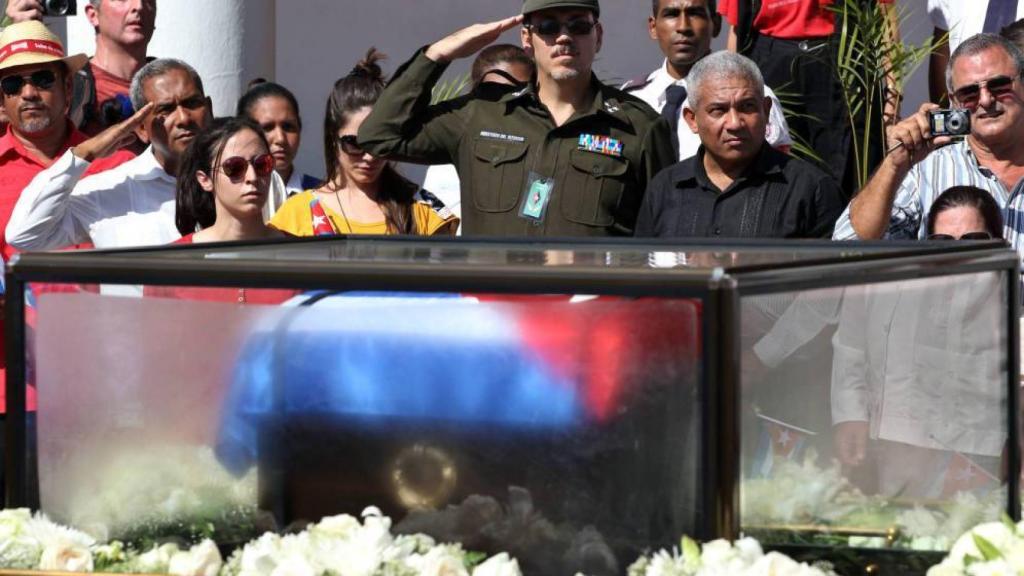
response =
{"points": [[318, 41]]}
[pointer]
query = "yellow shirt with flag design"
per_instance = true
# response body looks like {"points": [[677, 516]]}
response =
{"points": [[295, 217]]}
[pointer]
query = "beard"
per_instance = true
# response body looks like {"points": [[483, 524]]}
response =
{"points": [[35, 125], [565, 74]]}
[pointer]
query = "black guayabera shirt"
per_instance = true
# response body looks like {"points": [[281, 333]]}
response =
{"points": [[777, 197]]}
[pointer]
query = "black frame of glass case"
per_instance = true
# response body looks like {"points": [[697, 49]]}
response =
{"points": [[721, 290]]}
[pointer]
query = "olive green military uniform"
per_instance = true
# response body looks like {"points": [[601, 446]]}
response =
{"points": [[502, 140]]}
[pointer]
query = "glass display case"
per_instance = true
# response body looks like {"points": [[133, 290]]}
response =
{"points": [[572, 403]]}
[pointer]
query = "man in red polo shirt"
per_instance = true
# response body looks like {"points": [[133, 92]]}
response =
{"points": [[35, 80]]}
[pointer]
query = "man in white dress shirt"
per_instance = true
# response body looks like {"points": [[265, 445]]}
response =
{"points": [[961, 19], [133, 204], [684, 30]]}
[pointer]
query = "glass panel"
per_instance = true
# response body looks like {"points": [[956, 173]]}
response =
{"points": [[564, 430], [875, 416], [625, 255]]}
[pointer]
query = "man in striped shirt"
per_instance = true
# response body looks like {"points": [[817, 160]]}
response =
{"points": [[985, 77]]}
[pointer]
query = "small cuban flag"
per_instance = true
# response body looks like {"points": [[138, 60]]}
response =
{"points": [[322, 225], [777, 440], [965, 475]]}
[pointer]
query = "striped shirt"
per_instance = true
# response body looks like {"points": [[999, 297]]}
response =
{"points": [[952, 165]]}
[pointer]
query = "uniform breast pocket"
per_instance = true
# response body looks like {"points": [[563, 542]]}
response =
{"points": [[593, 188], [498, 174]]}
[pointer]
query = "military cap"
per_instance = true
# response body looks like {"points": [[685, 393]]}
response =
{"points": [[530, 6]]}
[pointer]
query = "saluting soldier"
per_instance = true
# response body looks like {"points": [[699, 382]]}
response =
{"points": [[564, 156]]}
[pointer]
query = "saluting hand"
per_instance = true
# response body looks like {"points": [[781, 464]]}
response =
{"points": [[112, 139], [910, 140], [470, 40]]}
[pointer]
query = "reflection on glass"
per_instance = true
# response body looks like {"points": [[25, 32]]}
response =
{"points": [[877, 413], [563, 430]]}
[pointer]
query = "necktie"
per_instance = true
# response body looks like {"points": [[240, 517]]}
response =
{"points": [[999, 14], [674, 97]]}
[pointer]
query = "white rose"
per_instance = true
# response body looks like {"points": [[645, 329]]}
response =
{"points": [[294, 566], [259, 557], [203, 559], [341, 527], [498, 565], [717, 553], [1015, 555], [155, 561], [665, 564], [12, 522], [439, 561], [66, 556], [749, 549], [20, 552], [946, 568], [996, 533], [993, 568]]}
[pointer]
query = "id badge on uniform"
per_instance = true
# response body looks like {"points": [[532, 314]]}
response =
{"points": [[538, 195]]}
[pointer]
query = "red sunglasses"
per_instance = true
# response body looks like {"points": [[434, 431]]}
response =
{"points": [[236, 166]]}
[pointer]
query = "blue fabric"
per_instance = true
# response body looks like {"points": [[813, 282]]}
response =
{"points": [[463, 365]]}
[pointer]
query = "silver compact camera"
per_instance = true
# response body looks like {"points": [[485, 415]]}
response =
{"points": [[950, 122], [59, 7]]}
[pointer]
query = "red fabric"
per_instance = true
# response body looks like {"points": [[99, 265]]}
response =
{"points": [[107, 86], [786, 19], [17, 168], [599, 345], [38, 46], [213, 294]]}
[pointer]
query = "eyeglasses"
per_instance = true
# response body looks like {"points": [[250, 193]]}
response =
{"points": [[967, 236], [968, 96], [350, 145], [41, 79], [550, 27], [236, 166]]}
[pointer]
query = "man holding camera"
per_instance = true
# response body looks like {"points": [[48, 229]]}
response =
{"points": [[100, 97], [985, 81]]}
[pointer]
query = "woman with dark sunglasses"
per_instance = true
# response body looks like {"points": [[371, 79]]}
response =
{"points": [[363, 194], [223, 182], [965, 213]]}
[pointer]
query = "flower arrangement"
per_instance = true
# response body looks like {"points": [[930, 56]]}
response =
{"points": [[992, 548], [721, 558], [803, 493], [337, 545]]}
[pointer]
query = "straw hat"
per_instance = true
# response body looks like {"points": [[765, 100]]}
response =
{"points": [[31, 42]]}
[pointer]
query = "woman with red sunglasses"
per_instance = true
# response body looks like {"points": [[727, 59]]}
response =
{"points": [[363, 194], [223, 182]]}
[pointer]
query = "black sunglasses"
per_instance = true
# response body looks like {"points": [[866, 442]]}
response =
{"points": [[350, 145], [550, 27], [41, 79], [968, 236], [968, 96]]}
